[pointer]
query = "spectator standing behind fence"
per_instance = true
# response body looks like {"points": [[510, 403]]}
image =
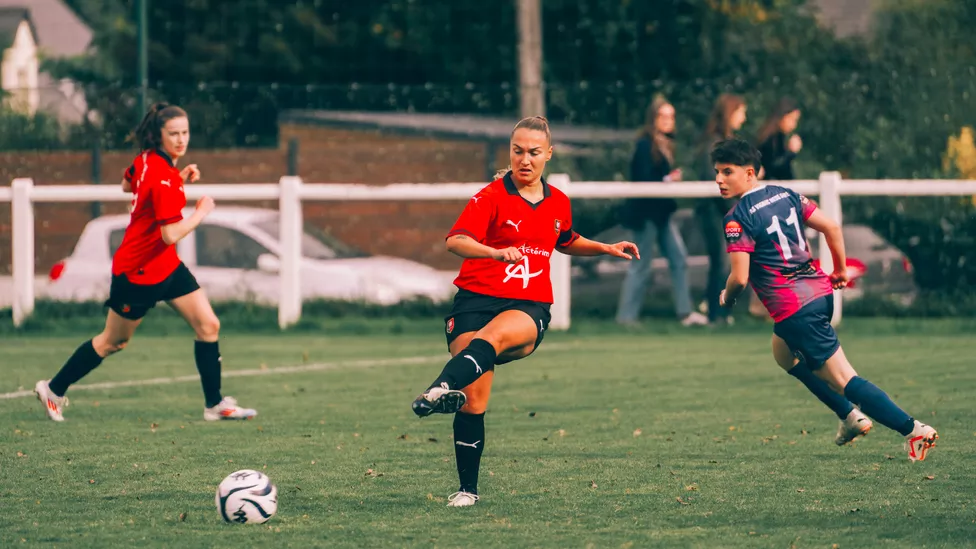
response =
{"points": [[777, 142], [779, 146], [728, 116], [650, 219]]}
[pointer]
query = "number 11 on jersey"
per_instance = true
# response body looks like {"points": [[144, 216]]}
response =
{"points": [[784, 243]]}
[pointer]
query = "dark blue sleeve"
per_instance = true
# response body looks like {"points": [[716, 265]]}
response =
{"points": [[739, 236]]}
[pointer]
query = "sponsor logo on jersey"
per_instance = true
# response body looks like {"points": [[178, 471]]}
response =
{"points": [[733, 231]]}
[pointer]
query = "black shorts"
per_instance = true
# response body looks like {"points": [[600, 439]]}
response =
{"points": [[472, 312], [133, 301], [808, 331]]}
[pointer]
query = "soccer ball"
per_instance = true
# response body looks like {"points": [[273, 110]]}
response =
{"points": [[247, 496]]}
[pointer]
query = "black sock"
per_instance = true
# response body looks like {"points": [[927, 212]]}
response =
{"points": [[207, 355], [469, 443], [462, 370], [836, 402], [83, 361], [878, 405]]}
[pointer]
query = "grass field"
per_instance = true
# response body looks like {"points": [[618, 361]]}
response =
{"points": [[652, 438]]}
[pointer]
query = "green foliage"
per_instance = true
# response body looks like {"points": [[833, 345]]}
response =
{"points": [[875, 106], [23, 132]]}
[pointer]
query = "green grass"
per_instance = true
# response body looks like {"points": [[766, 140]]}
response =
{"points": [[656, 437]]}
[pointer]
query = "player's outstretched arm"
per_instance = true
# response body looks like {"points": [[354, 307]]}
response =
{"points": [[738, 278], [469, 248], [586, 247], [835, 243]]}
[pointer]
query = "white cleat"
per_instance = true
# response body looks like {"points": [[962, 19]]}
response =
{"points": [[53, 404], [695, 319], [856, 425], [439, 400], [228, 409], [920, 440], [462, 499]]}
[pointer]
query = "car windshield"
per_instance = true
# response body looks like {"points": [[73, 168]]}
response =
{"points": [[316, 243]]}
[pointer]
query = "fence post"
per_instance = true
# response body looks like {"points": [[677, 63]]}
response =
{"points": [[96, 176], [290, 234], [22, 233], [560, 270], [830, 204], [293, 156]]}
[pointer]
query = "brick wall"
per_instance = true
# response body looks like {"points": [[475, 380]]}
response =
{"points": [[326, 155]]}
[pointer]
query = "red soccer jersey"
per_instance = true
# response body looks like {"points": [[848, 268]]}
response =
{"points": [[499, 217], [157, 200]]}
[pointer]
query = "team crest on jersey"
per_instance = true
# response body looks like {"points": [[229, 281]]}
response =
{"points": [[558, 225], [733, 231], [126, 309], [450, 325]]}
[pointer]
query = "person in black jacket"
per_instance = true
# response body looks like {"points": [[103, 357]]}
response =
{"points": [[650, 219], [777, 142], [728, 116]]}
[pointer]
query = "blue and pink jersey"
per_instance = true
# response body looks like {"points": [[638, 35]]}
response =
{"points": [[768, 224]]}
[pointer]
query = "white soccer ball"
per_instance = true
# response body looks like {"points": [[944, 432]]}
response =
{"points": [[247, 496]]}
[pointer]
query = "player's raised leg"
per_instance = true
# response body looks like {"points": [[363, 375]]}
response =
{"points": [[88, 356], [510, 332], [838, 372], [195, 308], [853, 422]]}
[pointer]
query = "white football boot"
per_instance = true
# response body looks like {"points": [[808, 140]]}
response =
{"points": [[462, 499], [920, 440], [228, 409], [53, 404], [438, 400], [856, 425]]}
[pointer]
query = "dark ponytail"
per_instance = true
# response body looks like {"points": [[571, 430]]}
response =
{"points": [[149, 133]]}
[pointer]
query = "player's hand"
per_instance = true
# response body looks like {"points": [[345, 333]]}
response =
{"points": [[205, 205], [507, 255], [839, 278], [794, 144], [722, 301], [190, 173], [624, 249]]}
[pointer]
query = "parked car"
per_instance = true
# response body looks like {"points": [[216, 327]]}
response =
{"points": [[235, 255], [882, 268]]}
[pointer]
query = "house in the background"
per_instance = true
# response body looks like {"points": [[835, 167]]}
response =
{"points": [[57, 32], [846, 18], [19, 63]]}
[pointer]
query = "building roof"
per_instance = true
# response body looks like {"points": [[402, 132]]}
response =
{"points": [[451, 126], [10, 20], [846, 17], [58, 30]]}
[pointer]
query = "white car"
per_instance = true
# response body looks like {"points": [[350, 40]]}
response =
{"points": [[234, 255]]}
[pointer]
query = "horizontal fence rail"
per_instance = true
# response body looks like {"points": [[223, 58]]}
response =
{"points": [[291, 191]]}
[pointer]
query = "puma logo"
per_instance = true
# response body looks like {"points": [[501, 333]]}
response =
{"points": [[477, 368], [165, 182], [475, 198], [514, 224], [469, 445]]}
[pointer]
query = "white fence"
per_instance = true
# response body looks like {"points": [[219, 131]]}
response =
{"points": [[291, 191]]}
